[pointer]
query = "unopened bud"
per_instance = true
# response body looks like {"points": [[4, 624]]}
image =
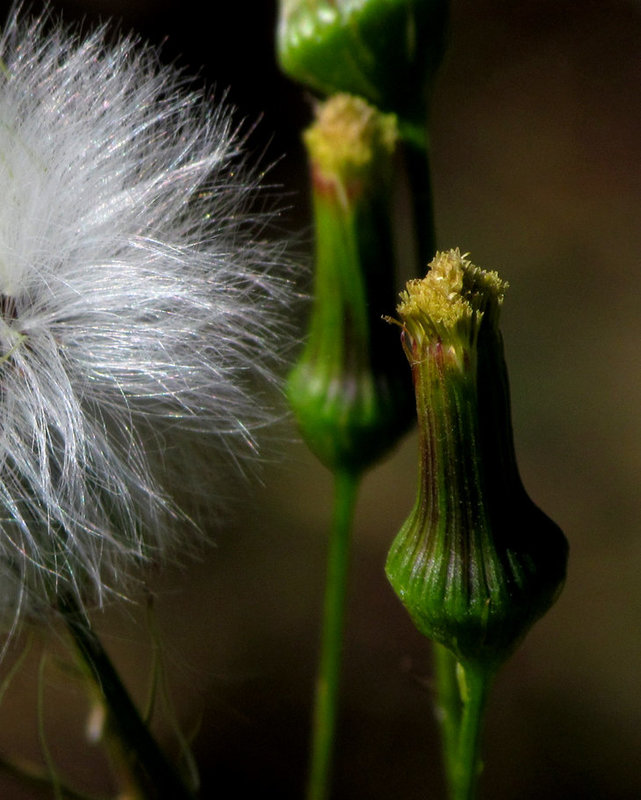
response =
{"points": [[476, 563], [350, 391], [386, 51]]}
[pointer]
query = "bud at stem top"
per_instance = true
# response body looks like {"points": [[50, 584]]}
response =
{"points": [[386, 51], [476, 563]]}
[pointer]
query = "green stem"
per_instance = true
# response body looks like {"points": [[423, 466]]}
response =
{"points": [[154, 777], [324, 721], [448, 710], [417, 164], [475, 684]]}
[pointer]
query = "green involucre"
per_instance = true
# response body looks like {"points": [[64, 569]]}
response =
{"points": [[476, 563], [351, 390]]}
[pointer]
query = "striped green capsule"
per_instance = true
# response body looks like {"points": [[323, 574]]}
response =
{"points": [[476, 563], [351, 389]]}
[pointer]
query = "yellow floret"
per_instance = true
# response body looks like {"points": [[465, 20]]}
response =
{"points": [[349, 135], [452, 294]]}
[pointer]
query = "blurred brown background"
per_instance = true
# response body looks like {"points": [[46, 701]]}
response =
{"points": [[537, 172]]}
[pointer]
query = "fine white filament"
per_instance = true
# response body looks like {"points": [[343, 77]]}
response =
{"points": [[135, 298]]}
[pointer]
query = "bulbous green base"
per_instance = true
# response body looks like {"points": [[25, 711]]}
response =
{"points": [[386, 51], [350, 420]]}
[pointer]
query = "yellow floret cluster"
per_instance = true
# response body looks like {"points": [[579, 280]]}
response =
{"points": [[451, 300], [349, 136]]}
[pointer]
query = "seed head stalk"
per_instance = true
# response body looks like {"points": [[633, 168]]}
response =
{"points": [[152, 775]]}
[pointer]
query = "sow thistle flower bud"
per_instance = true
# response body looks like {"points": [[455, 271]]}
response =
{"points": [[386, 51], [476, 563], [350, 392]]}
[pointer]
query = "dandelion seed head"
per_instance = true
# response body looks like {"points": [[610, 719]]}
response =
{"points": [[138, 299]]}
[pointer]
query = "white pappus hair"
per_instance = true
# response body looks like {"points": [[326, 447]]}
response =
{"points": [[136, 297]]}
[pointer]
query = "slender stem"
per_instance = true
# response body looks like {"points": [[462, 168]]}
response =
{"points": [[475, 685], [324, 721], [39, 780], [417, 162], [51, 769], [448, 710], [154, 776]]}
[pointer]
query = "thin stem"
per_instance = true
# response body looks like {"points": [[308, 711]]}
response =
{"points": [[475, 685], [160, 688], [417, 163], [51, 769], [324, 721], [448, 710], [154, 776]]}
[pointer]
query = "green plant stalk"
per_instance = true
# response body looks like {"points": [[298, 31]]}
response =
{"points": [[328, 678], [415, 146], [448, 710], [475, 684], [461, 697], [153, 775]]}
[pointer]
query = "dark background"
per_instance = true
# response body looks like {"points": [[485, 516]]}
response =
{"points": [[536, 131]]}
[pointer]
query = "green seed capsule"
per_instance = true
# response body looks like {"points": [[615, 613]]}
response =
{"points": [[476, 563], [350, 391]]}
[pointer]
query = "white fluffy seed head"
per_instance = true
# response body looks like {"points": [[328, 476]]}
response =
{"points": [[136, 300]]}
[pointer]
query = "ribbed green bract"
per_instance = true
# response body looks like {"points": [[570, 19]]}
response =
{"points": [[351, 389], [476, 563], [386, 51]]}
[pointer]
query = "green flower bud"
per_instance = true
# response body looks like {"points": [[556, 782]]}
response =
{"points": [[386, 51], [350, 391], [476, 563]]}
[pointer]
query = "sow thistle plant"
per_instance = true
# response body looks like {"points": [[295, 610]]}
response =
{"points": [[476, 563], [138, 301], [140, 308]]}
